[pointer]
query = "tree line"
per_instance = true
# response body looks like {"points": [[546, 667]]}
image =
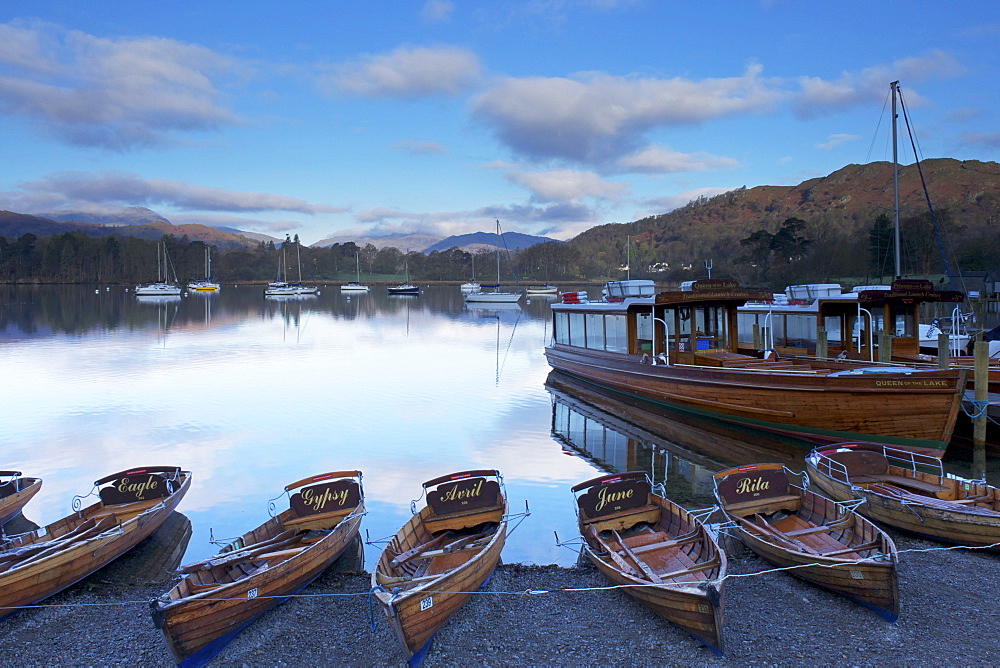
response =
{"points": [[797, 251]]}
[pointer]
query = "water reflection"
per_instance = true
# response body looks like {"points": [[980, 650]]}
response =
{"points": [[617, 434]]}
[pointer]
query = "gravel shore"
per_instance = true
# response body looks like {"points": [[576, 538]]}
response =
{"points": [[949, 612]]}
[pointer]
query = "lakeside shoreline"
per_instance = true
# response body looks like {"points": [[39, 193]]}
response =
{"points": [[546, 615]]}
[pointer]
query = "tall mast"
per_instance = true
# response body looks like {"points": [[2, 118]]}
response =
{"points": [[895, 181]]}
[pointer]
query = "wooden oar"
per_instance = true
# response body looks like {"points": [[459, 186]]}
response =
{"points": [[623, 565], [63, 544], [18, 552], [403, 557], [639, 562], [224, 557]]}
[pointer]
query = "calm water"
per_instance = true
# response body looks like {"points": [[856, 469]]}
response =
{"points": [[251, 393]]}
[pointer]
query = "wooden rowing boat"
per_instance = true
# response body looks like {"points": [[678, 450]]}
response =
{"points": [[445, 552], [908, 491], [825, 543], [15, 491], [133, 504], [219, 596], [666, 559]]}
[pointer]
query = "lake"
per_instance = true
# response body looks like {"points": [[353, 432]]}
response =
{"points": [[252, 393]]}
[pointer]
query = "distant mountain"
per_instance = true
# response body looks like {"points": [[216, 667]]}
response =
{"points": [[479, 240], [425, 243], [256, 236], [404, 242], [132, 215], [14, 225]]}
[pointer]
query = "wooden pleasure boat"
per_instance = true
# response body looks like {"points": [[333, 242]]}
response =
{"points": [[15, 491], [667, 558], [827, 544], [133, 504], [681, 349], [443, 554], [908, 491], [219, 596]]}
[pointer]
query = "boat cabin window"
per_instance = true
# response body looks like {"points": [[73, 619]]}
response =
{"points": [[591, 330], [904, 320], [595, 330], [700, 328], [616, 334], [577, 331]]}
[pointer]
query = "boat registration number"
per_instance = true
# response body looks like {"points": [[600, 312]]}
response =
{"points": [[252, 593], [426, 602], [857, 575]]}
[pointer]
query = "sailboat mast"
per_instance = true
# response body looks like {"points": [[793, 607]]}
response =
{"points": [[500, 241], [895, 182]]}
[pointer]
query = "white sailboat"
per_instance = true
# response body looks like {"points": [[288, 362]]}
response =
{"points": [[495, 295], [301, 289], [162, 287], [205, 284], [355, 286], [472, 286]]}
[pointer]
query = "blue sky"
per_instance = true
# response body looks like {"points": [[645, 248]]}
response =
{"points": [[367, 118]]}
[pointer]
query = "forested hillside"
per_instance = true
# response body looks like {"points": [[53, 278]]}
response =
{"points": [[839, 229]]}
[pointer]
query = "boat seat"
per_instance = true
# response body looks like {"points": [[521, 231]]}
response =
{"points": [[641, 511], [765, 506], [900, 481], [464, 520], [443, 563], [319, 520]]}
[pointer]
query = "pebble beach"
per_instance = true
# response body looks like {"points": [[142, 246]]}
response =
{"points": [[531, 615]]}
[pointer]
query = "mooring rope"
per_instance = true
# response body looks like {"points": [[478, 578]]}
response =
{"points": [[521, 592]]}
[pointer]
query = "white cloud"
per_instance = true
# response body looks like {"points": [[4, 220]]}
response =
{"points": [[408, 72], [819, 96], [436, 11], [659, 160], [114, 93], [566, 185], [598, 117], [836, 140], [111, 189]]}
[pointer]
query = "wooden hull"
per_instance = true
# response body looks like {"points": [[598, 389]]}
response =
{"points": [[12, 504], [417, 613], [914, 411], [694, 602], [958, 527], [38, 579], [197, 626], [838, 550]]}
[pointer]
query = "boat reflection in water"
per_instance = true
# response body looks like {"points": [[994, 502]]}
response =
{"points": [[618, 433], [156, 558]]}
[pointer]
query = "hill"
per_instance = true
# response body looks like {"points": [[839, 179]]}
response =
{"points": [[132, 215], [412, 242], [839, 213], [14, 225], [479, 240]]}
